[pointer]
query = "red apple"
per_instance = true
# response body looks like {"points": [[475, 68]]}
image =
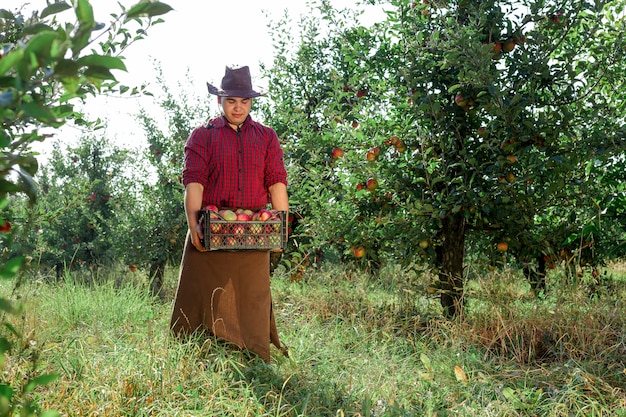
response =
{"points": [[228, 215], [372, 184], [211, 207], [244, 217], [6, 227], [337, 153], [264, 214], [359, 251], [460, 100]]}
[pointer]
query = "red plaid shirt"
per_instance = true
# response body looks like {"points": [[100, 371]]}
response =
{"points": [[235, 168]]}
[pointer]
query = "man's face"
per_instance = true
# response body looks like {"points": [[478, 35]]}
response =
{"points": [[236, 109]]}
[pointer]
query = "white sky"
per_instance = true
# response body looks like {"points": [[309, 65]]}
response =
{"points": [[196, 41]]}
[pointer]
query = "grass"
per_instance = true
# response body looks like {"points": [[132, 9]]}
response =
{"points": [[359, 346]]}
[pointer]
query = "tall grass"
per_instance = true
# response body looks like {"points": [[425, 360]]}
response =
{"points": [[359, 346]]}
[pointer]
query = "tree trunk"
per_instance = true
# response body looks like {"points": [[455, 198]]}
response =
{"points": [[451, 256], [157, 272]]}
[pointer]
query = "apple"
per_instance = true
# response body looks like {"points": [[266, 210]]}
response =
{"points": [[361, 93], [216, 241], [401, 147], [502, 246], [511, 158], [6, 227], [372, 184], [132, 267], [482, 132], [264, 214], [460, 100], [211, 207], [239, 229], [423, 244], [496, 47], [359, 251], [215, 227], [337, 153], [228, 215], [355, 124], [245, 217], [360, 186], [510, 177], [255, 228], [508, 45]]}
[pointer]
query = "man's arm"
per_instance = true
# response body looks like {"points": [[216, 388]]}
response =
{"points": [[278, 194], [193, 205]]}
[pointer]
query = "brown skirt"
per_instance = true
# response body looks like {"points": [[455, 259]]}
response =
{"points": [[226, 293]]}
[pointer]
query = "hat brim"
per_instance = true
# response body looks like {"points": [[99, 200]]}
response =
{"points": [[233, 93]]}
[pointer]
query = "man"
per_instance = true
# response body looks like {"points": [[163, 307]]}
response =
{"points": [[231, 162]]}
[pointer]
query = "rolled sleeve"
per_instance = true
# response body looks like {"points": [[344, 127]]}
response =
{"points": [[196, 158], [275, 163]]}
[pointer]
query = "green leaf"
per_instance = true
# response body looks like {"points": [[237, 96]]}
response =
{"points": [[40, 44], [41, 113], [147, 9], [84, 13], [6, 391], [98, 73], [12, 267], [5, 14], [66, 68], [104, 61], [9, 60], [55, 8]]}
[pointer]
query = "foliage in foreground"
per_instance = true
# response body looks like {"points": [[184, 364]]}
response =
{"points": [[357, 347]]}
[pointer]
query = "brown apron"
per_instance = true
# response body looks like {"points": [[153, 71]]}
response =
{"points": [[226, 293]]}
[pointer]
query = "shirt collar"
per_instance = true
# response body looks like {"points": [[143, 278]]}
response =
{"points": [[221, 121]]}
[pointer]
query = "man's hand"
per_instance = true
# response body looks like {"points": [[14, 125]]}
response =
{"points": [[196, 237]]}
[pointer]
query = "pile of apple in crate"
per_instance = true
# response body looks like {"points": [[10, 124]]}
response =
{"points": [[237, 229]]}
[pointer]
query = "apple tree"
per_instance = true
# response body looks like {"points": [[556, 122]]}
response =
{"points": [[49, 61], [84, 185], [156, 227], [473, 124]]}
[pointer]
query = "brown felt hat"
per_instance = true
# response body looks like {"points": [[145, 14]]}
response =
{"points": [[236, 83]]}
